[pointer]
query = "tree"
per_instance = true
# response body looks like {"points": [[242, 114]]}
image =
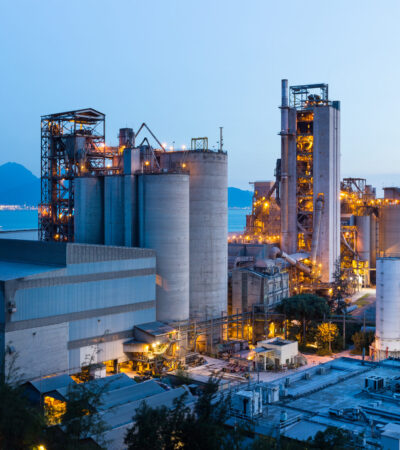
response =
{"points": [[342, 286], [362, 341], [21, 425], [326, 334], [200, 428], [81, 419], [333, 439], [305, 308]]}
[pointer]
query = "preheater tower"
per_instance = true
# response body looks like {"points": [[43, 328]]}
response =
{"points": [[310, 176]]}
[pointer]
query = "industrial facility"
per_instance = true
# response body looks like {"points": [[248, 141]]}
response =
{"points": [[136, 195], [137, 235], [318, 224]]}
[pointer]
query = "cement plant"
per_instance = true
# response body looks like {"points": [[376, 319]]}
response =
{"points": [[135, 279]]}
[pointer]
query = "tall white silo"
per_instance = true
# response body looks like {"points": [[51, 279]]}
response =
{"points": [[208, 228], [163, 220]]}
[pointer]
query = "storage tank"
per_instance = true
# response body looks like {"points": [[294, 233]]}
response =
{"points": [[387, 338], [363, 243], [363, 237], [163, 203], [208, 228], [389, 230], [89, 210], [126, 137], [114, 210], [374, 239]]}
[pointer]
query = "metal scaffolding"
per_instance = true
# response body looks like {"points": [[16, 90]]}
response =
{"points": [[72, 144]]}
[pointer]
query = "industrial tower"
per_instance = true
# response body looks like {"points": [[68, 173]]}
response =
{"points": [[309, 176]]}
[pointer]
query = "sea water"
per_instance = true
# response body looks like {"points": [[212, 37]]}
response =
{"points": [[28, 219]]}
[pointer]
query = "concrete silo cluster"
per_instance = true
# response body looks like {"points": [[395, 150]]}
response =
{"points": [[174, 202]]}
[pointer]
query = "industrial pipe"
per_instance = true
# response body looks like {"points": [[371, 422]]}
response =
{"points": [[284, 164], [319, 206], [278, 253]]}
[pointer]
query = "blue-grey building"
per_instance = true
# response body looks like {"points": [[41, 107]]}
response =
{"points": [[63, 304]]}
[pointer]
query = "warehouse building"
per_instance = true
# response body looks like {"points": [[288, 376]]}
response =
{"points": [[64, 304]]}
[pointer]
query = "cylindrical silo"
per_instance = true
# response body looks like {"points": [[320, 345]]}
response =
{"points": [[387, 338], [363, 243], [163, 215], [374, 239], [389, 230], [126, 137], [114, 210], [208, 228], [89, 210]]}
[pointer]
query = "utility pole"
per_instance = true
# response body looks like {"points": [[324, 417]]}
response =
{"points": [[221, 139], [344, 329]]}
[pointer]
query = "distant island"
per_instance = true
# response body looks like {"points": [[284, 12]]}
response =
{"points": [[20, 189]]}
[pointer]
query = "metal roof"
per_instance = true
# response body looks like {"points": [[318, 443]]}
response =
{"points": [[12, 270], [85, 113], [122, 415], [129, 394], [155, 328], [49, 384], [110, 383]]}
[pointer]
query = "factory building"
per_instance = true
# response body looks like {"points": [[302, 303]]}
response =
{"points": [[65, 305], [266, 286], [135, 195]]}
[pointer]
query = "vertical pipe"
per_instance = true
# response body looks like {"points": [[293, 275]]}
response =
{"points": [[319, 205], [284, 165]]}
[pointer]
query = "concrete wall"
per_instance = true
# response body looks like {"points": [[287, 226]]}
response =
{"points": [[327, 181], [64, 313], [40, 350]]}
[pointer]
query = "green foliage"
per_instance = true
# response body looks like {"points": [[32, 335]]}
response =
{"points": [[333, 439], [181, 377], [21, 425], [182, 428], [305, 308], [324, 351], [270, 443], [327, 332], [362, 340], [81, 420]]}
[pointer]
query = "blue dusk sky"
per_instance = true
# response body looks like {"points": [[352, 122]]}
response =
{"points": [[187, 67]]}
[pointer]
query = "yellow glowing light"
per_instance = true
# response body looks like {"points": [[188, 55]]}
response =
{"points": [[183, 165], [164, 145], [171, 148], [147, 163], [183, 147]]}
